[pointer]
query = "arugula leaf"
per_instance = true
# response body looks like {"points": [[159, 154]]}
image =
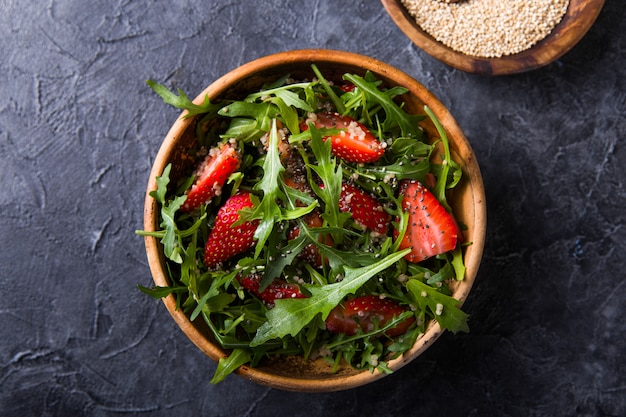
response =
{"points": [[288, 317], [171, 237], [267, 211], [162, 292], [330, 173], [375, 332], [292, 99], [288, 114], [458, 264], [229, 364], [279, 102], [400, 169], [409, 124], [172, 241], [263, 113], [275, 267], [285, 93], [245, 130], [442, 307], [162, 183], [403, 147], [336, 100], [181, 101], [337, 259], [448, 163]]}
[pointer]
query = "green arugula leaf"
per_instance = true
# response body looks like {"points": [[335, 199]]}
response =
{"points": [[291, 98], [409, 124], [245, 130], [286, 93], [443, 307], [410, 147], [335, 99], [448, 163], [162, 183], [263, 113], [331, 175], [458, 264], [267, 211], [337, 259], [229, 364], [400, 169], [172, 242], [181, 101], [288, 114], [288, 317], [395, 320], [162, 292], [275, 266], [170, 236]]}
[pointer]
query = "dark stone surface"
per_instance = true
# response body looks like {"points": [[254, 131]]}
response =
{"points": [[79, 129]]}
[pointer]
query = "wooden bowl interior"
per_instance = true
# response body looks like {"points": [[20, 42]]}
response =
{"points": [[580, 16], [468, 203]]}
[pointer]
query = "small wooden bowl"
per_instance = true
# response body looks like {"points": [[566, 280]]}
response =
{"points": [[468, 202], [580, 16]]}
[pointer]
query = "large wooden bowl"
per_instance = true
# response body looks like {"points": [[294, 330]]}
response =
{"points": [[468, 202], [580, 16]]}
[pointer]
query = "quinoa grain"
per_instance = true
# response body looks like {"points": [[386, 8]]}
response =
{"points": [[488, 28]]}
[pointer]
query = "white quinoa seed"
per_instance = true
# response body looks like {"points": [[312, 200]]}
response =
{"points": [[439, 309], [488, 28]]}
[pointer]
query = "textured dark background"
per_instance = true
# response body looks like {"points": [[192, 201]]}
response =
{"points": [[79, 129]]}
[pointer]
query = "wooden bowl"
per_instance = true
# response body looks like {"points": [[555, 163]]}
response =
{"points": [[468, 201], [580, 15]]}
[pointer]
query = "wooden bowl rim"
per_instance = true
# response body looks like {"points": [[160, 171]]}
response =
{"points": [[341, 58], [580, 16]]}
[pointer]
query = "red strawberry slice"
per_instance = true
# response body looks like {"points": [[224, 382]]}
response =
{"points": [[347, 87], [211, 175], [278, 289], [226, 240], [366, 210], [431, 230], [363, 312], [355, 143]]}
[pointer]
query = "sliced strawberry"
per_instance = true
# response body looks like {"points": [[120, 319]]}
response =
{"points": [[211, 175], [311, 254], [363, 312], [365, 209], [431, 230], [226, 240], [354, 143], [347, 87], [278, 289]]}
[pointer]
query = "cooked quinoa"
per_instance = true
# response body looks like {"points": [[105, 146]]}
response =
{"points": [[488, 28]]}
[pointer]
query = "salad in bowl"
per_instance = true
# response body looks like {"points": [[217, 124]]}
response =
{"points": [[311, 222]]}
